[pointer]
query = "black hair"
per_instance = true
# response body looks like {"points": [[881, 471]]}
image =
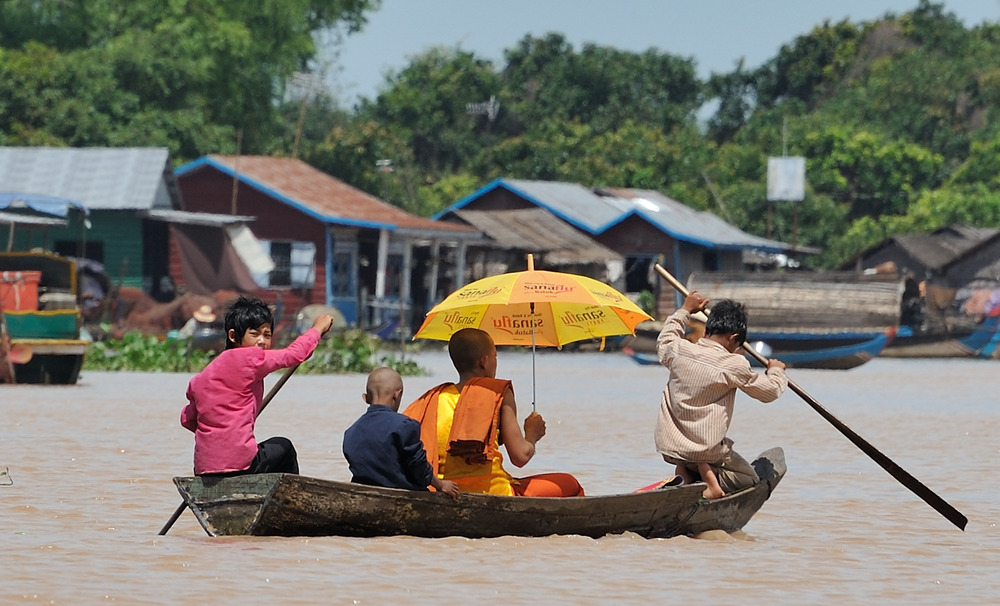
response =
{"points": [[468, 346], [244, 314], [727, 317]]}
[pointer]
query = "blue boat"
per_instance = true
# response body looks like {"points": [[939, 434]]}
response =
{"points": [[827, 351], [823, 351], [978, 341]]}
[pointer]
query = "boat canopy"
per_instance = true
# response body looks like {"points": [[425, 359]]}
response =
{"points": [[49, 205]]}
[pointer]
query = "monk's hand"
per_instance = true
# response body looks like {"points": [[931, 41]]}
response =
{"points": [[446, 486], [534, 427]]}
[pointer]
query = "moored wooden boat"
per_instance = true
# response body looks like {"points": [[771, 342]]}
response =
{"points": [[807, 351], [825, 352], [976, 341], [42, 315], [292, 505]]}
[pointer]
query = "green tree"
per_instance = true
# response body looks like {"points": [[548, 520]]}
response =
{"points": [[872, 175], [599, 86], [189, 74], [426, 105]]}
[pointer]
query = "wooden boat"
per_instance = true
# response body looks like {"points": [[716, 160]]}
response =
{"points": [[293, 505], [823, 351], [806, 351], [643, 359], [972, 341], [42, 315]]}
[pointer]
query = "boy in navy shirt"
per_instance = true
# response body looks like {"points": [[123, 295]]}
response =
{"points": [[383, 447]]}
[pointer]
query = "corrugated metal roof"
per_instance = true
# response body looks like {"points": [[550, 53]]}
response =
{"points": [[685, 223], [596, 211], [100, 178], [316, 193], [569, 201], [537, 230], [194, 218]]}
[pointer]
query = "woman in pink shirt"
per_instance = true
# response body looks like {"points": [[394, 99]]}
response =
{"points": [[226, 397]]}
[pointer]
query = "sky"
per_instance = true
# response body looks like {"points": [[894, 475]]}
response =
{"points": [[715, 33]]}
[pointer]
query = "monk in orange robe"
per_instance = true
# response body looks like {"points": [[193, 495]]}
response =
{"points": [[463, 424]]}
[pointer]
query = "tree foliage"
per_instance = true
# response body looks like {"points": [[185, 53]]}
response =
{"points": [[194, 75], [898, 118]]}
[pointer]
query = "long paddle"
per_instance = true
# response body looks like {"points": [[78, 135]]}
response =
{"points": [[267, 399], [904, 478]]}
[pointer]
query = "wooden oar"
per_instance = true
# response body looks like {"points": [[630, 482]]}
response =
{"points": [[267, 399], [940, 505]]}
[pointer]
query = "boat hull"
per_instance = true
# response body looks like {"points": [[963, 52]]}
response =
{"points": [[292, 505], [824, 352], [980, 341], [53, 361]]}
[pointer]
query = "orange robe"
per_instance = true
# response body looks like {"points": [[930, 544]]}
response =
{"points": [[469, 439]]}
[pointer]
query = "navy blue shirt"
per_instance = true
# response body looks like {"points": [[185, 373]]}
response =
{"points": [[383, 448]]}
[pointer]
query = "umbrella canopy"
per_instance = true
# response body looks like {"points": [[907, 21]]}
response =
{"points": [[534, 308]]}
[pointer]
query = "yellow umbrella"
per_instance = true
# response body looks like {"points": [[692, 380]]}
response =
{"points": [[534, 308]]}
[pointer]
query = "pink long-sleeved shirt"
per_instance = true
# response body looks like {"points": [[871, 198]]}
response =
{"points": [[226, 397]]}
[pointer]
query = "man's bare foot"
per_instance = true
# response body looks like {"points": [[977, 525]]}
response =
{"points": [[710, 493]]}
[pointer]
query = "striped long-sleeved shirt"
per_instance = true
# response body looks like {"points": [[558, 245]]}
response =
{"points": [[697, 404]]}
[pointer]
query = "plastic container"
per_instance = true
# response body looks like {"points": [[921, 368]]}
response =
{"points": [[19, 290]]}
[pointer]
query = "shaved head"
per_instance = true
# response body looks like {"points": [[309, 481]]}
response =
{"points": [[467, 346], [385, 387]]}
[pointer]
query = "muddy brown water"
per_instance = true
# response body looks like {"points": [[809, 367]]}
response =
{"points": [[88, 467]]}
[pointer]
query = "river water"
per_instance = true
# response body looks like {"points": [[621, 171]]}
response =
{"points": [[87, 472]]}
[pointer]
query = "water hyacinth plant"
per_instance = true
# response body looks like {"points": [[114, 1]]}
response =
{"points": [[346, 351]]}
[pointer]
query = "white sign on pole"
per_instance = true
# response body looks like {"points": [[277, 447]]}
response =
{"points": [[786, 179]]}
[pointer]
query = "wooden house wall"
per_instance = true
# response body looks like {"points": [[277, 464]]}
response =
{"points": [[636, 237], [826, 303], [120, 234], [499, 199], [210, 191], [981, 266]]}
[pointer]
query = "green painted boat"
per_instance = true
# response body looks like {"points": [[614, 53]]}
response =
{"points": [[46, 320]]}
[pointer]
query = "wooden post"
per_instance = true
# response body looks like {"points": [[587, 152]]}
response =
{"points": [[432, 297], [383, 257]]}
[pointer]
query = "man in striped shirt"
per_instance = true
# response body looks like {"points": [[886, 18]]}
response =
{"points": [[697, 403]]}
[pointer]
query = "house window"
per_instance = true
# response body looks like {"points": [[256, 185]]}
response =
{"points": [[710, 261], [93, 249], [294, 264]]}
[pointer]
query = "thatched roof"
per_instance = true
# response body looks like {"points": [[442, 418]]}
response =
{"points": [[540, 232], [933, 251]]}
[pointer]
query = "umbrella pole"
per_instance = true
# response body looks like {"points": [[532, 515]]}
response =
{"points": [[532, 304]]}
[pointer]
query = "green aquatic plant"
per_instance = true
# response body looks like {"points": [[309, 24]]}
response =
{"points": [[355, 350], [138, 352], [346, 351]]}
